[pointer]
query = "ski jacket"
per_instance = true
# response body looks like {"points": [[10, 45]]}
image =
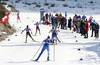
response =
{"points": [[97, 28], [82, 25], [47, 41], [37, 24], [93, 26], [46, 15], [18, 13], [54, 31], [87, 27], [59, 19], [83, 17], [27, 30], [62, 20], [69, 22]]}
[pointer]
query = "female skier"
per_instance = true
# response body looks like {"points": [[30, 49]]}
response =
{"points": [[37, 28], [18, 17], [27, 33], [54, 34], [45, 47]]}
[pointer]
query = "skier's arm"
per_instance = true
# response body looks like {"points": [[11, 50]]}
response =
{"points": [[30, 30], [58, 30], [50, 31], [39, 23], [52, 41], [35, 24], [23, 30], [43, 41]]}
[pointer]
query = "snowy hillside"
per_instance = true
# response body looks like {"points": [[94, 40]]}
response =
{"points": [[73, 49], [72, 6]]}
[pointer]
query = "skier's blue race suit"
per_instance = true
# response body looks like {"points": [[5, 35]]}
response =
{"points": [[45, 46], [54, 34]]}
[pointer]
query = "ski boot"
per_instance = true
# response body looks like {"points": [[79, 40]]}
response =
{"points": [[26, 41], [35, 35], [48, 58], [39, 33], [36, 59], [59, 40], [56, 42]]}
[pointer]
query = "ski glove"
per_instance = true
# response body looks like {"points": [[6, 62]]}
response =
{"points": [[21, 32], [31, 32]]}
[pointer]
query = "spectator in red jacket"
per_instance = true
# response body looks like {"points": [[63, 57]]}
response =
{"points": [[86, 30]]}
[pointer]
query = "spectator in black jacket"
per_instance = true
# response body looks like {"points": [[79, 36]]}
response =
{"points": [[69, 22], [46, 15], [93, 28], [97, 30], [62, 23]]}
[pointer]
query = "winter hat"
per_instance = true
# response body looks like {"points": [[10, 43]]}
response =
{"points": [[48, 37]]}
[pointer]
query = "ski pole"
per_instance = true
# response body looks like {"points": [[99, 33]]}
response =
{"points": [[60, 38], [54, 52], [37, 51], [33, 29], [23, 34]]}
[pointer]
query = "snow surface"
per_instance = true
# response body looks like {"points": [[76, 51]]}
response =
{"points": [[13, 51]]}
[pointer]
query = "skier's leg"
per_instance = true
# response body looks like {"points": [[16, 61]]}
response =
{"points": [[41, 53], [55, 38], [44, 47], [26, 38], [36, 32], [52, 37], [31, 37], [19, 19], [39, 30], [58, 39], [48, 53]]}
